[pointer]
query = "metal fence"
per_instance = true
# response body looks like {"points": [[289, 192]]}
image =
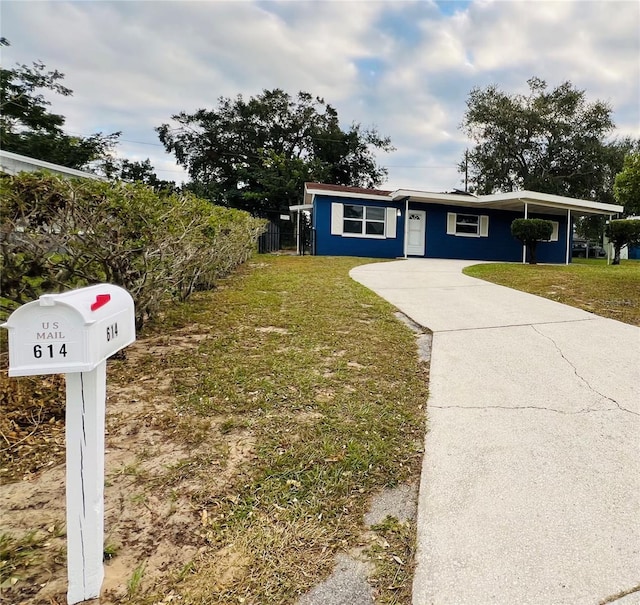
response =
{"points": [[269, 241]]}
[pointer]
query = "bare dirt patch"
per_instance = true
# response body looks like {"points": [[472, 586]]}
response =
{"points": [[152, 464]]}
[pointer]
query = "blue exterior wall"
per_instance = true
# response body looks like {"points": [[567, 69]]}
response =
{"points": [[337, 245], [500, 245]]}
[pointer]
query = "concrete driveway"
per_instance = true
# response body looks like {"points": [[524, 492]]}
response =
{"points": [[530, 490]]}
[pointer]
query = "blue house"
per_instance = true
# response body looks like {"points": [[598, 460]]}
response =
{"points": [[351, 221]]}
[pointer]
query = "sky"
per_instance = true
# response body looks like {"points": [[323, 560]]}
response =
{"points": [[402, 67]]}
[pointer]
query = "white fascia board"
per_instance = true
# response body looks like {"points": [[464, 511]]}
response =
{"points": [[557, 201], [427, 196], [13, 163], [348, 194]]}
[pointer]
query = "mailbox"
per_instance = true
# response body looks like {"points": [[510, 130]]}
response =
{"points": [[70, 332]]}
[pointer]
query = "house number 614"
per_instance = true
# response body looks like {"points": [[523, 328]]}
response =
{"points": [[112, 331], [40, 350]]}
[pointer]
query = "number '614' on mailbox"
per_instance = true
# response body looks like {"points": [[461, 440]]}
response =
{"points": [[70, 332]]}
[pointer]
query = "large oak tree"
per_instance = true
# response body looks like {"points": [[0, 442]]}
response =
{"points": [[28, 127], [256, 154], [549, 140]]}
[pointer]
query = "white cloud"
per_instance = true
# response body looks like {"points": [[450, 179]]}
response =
{"points": [[401, 66]]}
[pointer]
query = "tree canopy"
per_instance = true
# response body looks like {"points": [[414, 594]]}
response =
{"points": [[256, 154], [627, 184], [552, 141], [28, 127]]}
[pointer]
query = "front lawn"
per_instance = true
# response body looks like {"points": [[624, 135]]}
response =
{"points": [[608, 290], [247, 431]]}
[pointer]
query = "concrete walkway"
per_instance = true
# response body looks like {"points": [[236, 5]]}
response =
{"points": [[530, 491]]}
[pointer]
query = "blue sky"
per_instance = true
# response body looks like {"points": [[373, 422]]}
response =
{"points": [[403, 67]]}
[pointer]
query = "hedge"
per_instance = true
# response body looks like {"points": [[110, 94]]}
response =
{"points": [[58, 233]]}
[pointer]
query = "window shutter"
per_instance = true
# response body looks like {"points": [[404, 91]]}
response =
{"points": [[484, 225], [391, 223], [451, 223], [554, 233], [337, 214]]}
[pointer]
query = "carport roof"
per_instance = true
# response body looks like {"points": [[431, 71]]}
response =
{"points": [[513, 200]]}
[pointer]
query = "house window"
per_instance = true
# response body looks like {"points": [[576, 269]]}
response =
{"points": [[554, 233], [360, 220], [363, 220], [467, 225]]}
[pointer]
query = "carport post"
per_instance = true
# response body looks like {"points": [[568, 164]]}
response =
{"points": [[524, 246], [569, 237], [609, 243]]}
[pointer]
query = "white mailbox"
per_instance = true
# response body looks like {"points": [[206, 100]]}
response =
{"points": [[70, 332], [73, 334]]}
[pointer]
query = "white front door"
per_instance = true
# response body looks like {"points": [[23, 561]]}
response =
{"points": [[416, 230]]}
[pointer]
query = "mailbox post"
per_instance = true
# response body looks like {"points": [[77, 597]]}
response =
{"points": [[73, 334]]}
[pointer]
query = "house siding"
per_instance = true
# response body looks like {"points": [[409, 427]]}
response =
{"points": [[500, 245], [337, 245]]}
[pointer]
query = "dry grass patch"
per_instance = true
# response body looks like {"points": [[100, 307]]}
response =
{"points": [[608, 290], [247, 431]]}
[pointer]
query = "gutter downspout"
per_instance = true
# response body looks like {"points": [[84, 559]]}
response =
{"points": [[567, 257], [524, 246]]}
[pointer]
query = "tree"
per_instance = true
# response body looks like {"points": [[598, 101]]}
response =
{"points": [[28, 127], [552, 141], [257, 154], [624, 232], [135, 172], [530, 231], [627, 185]]}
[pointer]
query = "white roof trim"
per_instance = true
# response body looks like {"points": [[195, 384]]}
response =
{"points": [[433, 196], [310, 192], [501, 199], [551, 200], [14, 163]]}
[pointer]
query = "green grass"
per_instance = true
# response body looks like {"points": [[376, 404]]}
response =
{"points": [[133, 585], [313, 393], [17, 554], [608, 290]]}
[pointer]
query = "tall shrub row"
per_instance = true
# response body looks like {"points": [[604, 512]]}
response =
{"points": [[59, 233]]}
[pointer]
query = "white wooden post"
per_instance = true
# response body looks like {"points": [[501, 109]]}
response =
{"points": [[85, 418]]}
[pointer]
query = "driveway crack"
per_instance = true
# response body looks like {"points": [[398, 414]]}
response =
{"points": [[582, 378], [520, 407], [619, 595]]}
